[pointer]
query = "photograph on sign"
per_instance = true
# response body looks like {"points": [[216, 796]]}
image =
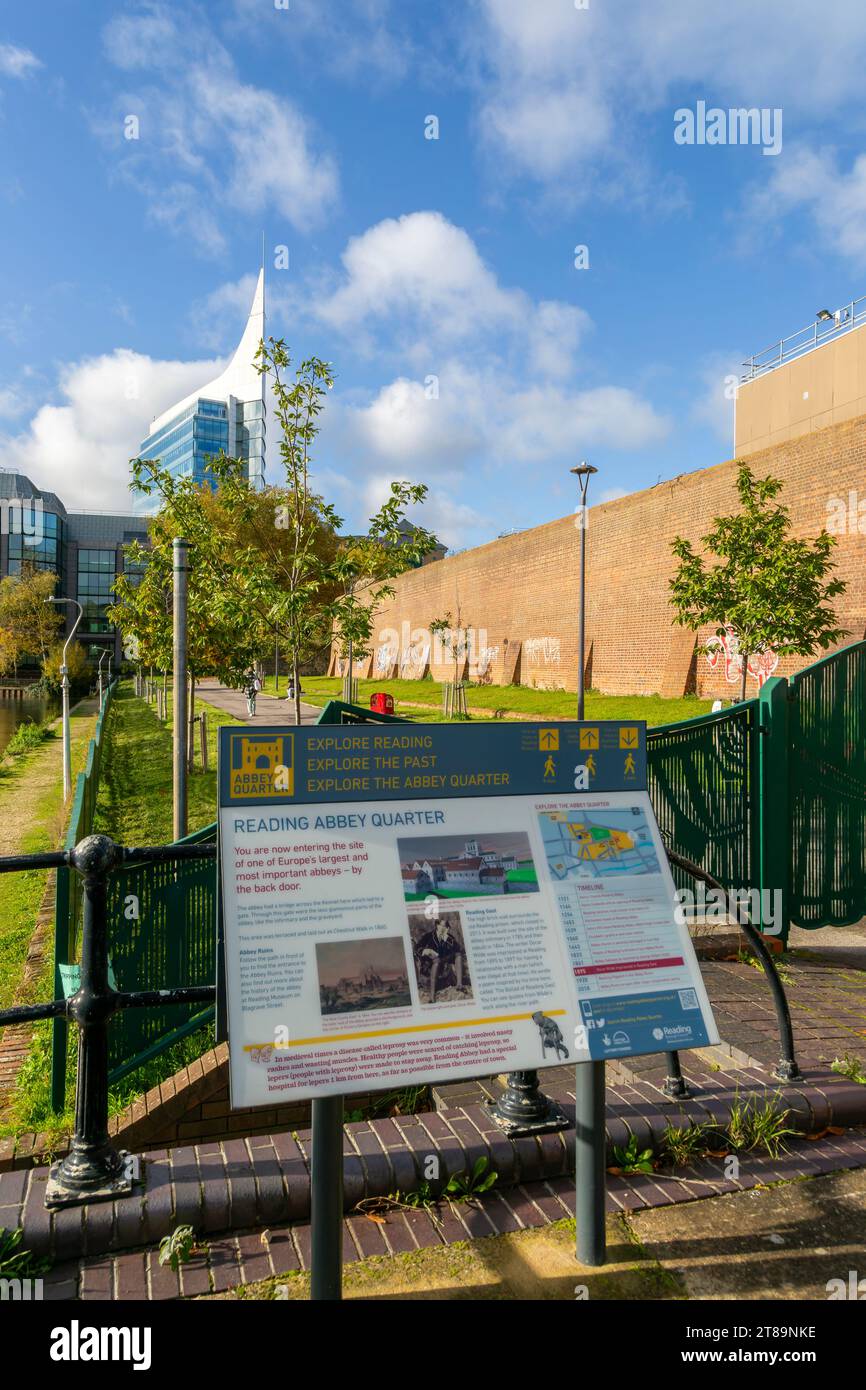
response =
{"points": [[405, 908]]}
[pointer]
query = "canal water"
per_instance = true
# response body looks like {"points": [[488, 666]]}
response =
{"points": [[15, 712]]}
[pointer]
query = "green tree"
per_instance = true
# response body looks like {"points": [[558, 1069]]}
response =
{"points": [[773, 589], [79, 668], [270, 565], [30, 623]]}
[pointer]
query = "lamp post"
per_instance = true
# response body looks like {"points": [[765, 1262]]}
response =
{"points": [[584, 472], [589, 1091], [101, 659], [64, 687]]}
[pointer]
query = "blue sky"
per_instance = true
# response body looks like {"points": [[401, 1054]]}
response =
{"points": [[127, 265]]}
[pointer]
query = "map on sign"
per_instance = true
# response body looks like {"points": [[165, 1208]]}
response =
{"points": [[581, 844], [409, 902]]}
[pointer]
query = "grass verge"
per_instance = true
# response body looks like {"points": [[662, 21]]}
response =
{"points": [[512, 699]]}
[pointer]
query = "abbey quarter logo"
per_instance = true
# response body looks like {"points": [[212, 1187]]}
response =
{"points": [[261, 766]]}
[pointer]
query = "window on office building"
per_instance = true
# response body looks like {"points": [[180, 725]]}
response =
{"points": [[96, 574]]}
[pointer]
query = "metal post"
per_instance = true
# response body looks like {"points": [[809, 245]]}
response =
{"points": [[190, 740], [202, 729], [347, 683], [326, 1199], [589, 1163], [675, 1085], [64, 686], [584, 471], [179, 732], [67, 737], [276, 667], [93, 1169], [581, 622]]}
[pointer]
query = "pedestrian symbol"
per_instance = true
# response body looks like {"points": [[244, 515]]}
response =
{"points": [[628, 738], [549, 769], [589, 738], [630, 770], [549, 739], [590, 765]]}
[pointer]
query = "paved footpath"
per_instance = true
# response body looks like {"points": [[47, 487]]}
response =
{"points": [[269, 710]]}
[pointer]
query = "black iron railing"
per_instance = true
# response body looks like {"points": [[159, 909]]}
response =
{"points": [[93, 1169]]}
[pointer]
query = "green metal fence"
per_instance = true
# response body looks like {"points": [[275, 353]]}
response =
{"points": [[68, 902], [827, 778], [162, 933], [701, 775]]}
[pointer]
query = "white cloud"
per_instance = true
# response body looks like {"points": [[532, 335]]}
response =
{"points": [[489, 380], [814, 181], [210, 143], [404, 425], [17, 62], [421, 281], [557, 87], [80, 448], [424, 266]]}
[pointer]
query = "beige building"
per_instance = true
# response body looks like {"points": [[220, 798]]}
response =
{"points": [[813, 379]]}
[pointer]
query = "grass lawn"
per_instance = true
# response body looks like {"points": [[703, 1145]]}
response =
{"points": [[134, 805], [513, 700], [33, 820]]}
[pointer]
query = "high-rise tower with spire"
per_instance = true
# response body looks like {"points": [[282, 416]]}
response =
{"points": [[227, 414]]}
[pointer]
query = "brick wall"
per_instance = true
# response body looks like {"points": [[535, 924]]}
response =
{"points": [[522, 590]]}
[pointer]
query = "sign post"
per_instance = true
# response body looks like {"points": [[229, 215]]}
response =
{"points": [[403, 903]]}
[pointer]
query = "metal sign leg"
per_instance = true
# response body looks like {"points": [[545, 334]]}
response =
{"points": [[326, 1199], [589, 1163]]}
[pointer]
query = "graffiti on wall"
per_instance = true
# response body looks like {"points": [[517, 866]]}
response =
{"points": [[483, 672], [725, 651], [386, 655], [542, 651], [414, 660]]}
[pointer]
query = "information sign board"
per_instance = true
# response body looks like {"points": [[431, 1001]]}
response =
{"points": [[419, 902]]}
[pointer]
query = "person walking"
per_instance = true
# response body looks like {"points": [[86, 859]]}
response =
{"points": [[253, 686]]}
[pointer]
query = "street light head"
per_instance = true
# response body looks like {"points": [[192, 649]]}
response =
{"points": [[584, 469]]}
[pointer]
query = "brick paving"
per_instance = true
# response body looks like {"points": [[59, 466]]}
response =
{"points": [[245, 1257], [230, 1190]]}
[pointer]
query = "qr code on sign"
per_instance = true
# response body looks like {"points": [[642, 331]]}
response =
{"points": [[688, 998]]}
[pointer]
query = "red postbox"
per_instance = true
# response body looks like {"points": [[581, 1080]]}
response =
{"points": [[382, 703]]}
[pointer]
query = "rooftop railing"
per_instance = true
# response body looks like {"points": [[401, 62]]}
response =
{"points": [[826, 327]]}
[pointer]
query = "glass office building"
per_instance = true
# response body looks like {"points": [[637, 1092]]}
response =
{"points": [[227, 415], [86, 550]]}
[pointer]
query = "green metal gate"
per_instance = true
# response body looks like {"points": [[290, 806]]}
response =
{"points": [[702, 775], [162, 933], [827, 776]]}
